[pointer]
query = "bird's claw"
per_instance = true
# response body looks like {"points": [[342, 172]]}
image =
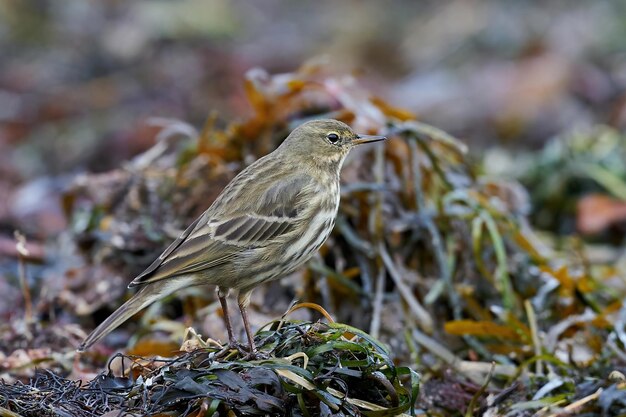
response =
{"points": [[244, 351], [255, 355]]}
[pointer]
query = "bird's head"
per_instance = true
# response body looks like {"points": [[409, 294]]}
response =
{"points": [[325, 141]]}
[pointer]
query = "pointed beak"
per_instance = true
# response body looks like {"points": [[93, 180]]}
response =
{"points": [[361, 139]]}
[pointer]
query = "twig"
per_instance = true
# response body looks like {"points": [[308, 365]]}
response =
{"points": [[470, 408], [22, 252], [502, 274], [436, 239], [576, 404], [420, 312], [379, 175], [532, 321], [467, 367], [377, 303]]}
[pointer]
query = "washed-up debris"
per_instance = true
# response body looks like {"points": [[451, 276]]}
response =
{"points": [[303, 369]]}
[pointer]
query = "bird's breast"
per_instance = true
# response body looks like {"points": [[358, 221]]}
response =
{"points": [[309, 234], [320, 220]]}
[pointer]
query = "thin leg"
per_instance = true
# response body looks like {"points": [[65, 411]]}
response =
{"points": [[244, 301], [222, 294]]}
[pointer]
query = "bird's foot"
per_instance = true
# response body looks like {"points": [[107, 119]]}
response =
{"points": [[246, 352], [229, 348], [232, 345], [243, 350], [255, 356]]}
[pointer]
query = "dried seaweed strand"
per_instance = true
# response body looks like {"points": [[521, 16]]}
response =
{"points": [[22, 253], [377, 307], [532, 322], [436, 240], [418, 310]]}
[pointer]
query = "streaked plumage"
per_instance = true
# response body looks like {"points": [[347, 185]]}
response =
{"points": [[267, 222]]}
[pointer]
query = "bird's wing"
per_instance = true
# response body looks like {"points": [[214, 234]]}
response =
{"points": [[155, 271], [211, 241]]}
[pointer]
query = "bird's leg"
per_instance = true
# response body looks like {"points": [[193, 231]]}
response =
{"points": [[244, 301], [222, 293]]}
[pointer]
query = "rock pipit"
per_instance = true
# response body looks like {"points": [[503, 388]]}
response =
{"points": [[267, 222]]}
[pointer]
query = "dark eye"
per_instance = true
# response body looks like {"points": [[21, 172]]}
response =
{"points": [[333, 137]]}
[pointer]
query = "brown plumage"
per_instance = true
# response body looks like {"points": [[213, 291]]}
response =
{"points": [[267, 222]]}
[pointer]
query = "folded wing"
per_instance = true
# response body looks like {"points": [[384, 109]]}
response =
{"points": [[215, 240]]}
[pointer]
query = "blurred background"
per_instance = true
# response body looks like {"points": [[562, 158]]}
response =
{"points": [[79, 78], [537, 90]]}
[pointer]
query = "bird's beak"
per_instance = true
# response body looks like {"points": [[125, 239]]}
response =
{"points": [[361, 139]]}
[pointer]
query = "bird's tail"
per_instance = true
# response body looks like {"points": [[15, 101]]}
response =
{"points": [[146, 296]]}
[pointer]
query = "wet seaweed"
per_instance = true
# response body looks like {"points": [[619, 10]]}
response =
{"points": [[302, 369]]}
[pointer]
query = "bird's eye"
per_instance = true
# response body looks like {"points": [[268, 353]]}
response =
{"points": [[333, 137]]}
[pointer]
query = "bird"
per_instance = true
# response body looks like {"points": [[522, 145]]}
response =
{"points": [[266, 223]]}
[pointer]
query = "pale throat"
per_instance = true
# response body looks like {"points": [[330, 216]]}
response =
{"points": [[328, 165]]}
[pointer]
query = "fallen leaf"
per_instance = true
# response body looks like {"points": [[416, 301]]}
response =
{"points": [[480, 328], [597, 212]]}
